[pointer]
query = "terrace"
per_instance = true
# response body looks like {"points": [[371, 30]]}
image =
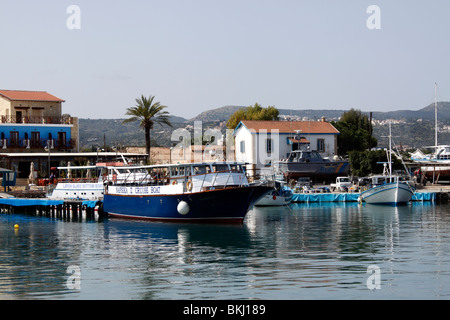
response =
{"points": [[37, 119]]}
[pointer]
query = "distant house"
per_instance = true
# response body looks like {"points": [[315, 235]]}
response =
{"points": [[259, 143]]}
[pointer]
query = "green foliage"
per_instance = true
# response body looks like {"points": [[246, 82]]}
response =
{"points": [[364, 163], [255, 112], [355, 132]]}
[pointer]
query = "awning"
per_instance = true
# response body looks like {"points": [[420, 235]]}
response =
{"points": [[301, 140]]}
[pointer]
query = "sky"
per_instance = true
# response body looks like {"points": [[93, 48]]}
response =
{"points": [[197, 55]]}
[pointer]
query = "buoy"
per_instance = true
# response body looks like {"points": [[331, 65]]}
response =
{"points": [[16, 226], [183, 208]]}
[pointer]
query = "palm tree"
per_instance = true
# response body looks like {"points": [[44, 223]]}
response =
{"points": [[148, 113]]}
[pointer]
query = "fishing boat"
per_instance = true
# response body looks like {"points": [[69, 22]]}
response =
{"points": [[388, 189], [309, 163], [193, 192]]}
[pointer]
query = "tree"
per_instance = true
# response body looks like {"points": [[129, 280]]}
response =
{"points": [[255, 112], [148, 113], [368, 162], [355, 132]]}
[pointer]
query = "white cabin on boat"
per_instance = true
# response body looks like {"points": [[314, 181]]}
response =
{"points": [[177, 178]]}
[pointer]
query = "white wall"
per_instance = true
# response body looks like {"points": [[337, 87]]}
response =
{"points": [[255, 147]]}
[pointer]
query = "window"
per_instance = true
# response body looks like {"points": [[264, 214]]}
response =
{"points": [[35, 138], [242, 146], [321, 145], [268, 146], [14, 138]]}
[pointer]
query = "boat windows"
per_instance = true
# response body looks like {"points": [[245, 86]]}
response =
{"points": [[235, 168], [173, 171], [199, 169], [220, 167]]}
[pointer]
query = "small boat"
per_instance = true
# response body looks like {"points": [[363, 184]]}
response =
{"points": [[192, 192], [388, 189], [392, 192], [281, 195]]}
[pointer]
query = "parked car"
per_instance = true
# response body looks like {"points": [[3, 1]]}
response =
{"points": [[304, 182]]}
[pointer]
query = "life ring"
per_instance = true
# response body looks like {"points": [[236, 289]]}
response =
{"points": [[174, 182], [189, 185]]}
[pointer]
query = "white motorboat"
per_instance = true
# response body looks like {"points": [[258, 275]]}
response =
{"points": [[279, 196]]}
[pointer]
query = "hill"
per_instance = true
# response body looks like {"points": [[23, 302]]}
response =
{"points": [[414, 128]]}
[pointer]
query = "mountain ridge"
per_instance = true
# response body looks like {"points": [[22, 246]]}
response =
{"points": [[416, 130], [223, 113]]}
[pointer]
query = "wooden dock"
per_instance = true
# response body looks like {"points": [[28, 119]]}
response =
{"points": [[73, 210]]}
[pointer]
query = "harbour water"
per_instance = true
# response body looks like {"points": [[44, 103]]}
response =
{"points": [[304, 251]]}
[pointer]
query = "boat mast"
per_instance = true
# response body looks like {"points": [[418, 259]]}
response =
{"points": [[435, 116], [390, 153]]}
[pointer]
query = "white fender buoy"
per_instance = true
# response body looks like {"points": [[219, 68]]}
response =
{"points": [[183, 208]]}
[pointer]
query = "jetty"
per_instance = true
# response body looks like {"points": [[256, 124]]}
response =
{"points": [[65, 209]]}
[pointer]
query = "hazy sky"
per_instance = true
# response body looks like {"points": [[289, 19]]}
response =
{"points": [[195, 55]]}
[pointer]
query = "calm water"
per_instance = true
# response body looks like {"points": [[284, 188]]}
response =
{"points": [[306, 251]]}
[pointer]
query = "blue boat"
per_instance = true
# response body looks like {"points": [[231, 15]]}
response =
{"points": [[194, 192]]}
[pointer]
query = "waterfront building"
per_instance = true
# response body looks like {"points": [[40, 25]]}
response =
{"points": [[34, 129], [32, 120], [259, 143]]}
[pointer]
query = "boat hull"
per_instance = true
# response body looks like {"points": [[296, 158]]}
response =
{"points": [[78, 191], [389, 194], [436, 172], [220, 205], [274, 200], [317, 170], [281, 197]]}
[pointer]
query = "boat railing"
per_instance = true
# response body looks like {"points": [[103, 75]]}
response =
{"points": [[207, 180], [216, 182], [76, 180]]}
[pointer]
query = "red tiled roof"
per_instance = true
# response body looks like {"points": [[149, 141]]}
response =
{"points": [[20, 95], [292, 126]]}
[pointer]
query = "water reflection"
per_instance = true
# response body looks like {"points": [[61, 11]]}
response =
{"points": [[302, 251]]}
